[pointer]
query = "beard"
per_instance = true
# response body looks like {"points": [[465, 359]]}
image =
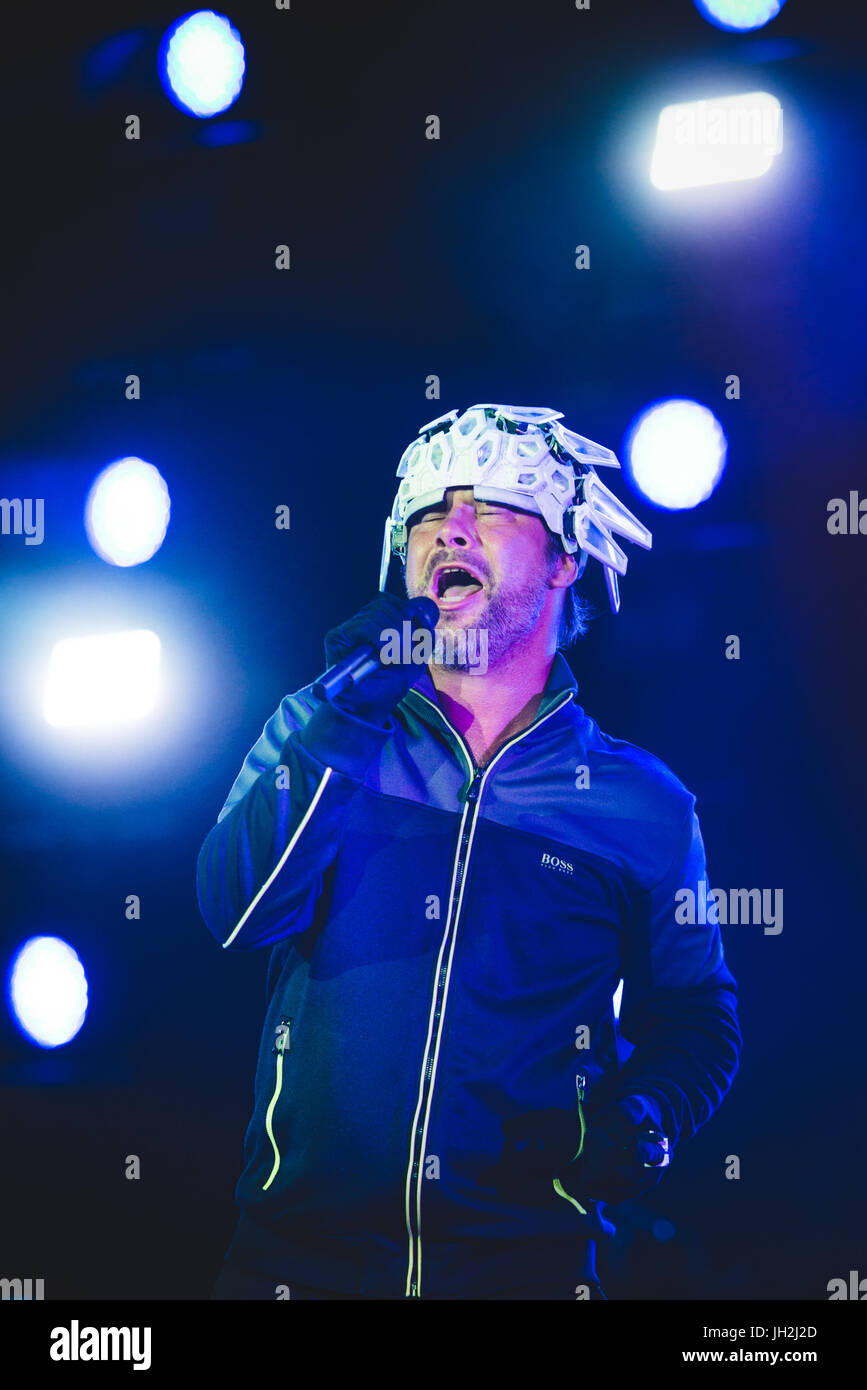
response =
{"points": [[496, 628]]}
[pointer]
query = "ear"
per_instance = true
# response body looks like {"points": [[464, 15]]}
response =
{"points": [[564, 573]]}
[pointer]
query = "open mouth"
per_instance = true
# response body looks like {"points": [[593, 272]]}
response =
{"points": [[453, 586]]}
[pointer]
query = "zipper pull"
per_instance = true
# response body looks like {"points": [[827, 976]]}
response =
{"points": [[473, 788], [282, 1039], [580, 1090]]}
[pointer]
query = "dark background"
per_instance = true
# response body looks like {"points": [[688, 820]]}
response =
{"points": [[412, 257]]}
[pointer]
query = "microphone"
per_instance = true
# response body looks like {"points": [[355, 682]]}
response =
{"points": [[364, 659]]}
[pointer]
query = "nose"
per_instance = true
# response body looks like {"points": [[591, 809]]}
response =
{"points": [[457, 528]]}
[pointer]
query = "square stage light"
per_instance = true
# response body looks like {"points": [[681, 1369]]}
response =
{"points": [[105, 680], [716, 141]]}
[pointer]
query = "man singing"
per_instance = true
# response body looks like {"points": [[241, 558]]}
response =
{"points": [[455, 868]]}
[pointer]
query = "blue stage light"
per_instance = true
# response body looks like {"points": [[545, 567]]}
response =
{"points": [[127, 512], [739, 15], [47, 991], [675, 454], [201, 63]]}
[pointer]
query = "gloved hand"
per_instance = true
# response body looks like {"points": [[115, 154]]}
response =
{"points": [[374, 698], [536, 1143], [610, 1167]]}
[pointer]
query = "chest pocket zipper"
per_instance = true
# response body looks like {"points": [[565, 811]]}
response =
{"points": [[580, 1090], [282, 1043]]}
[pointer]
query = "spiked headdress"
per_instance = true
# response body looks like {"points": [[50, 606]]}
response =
{"points": [[522, 457]]}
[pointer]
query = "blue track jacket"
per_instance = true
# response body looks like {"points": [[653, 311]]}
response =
{"points": [[446, 942]]}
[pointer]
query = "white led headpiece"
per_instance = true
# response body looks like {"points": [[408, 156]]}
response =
{"points": [[520, 456]]}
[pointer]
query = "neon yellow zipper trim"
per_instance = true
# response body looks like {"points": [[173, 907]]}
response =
{"points": [[415, 1245], [558, 1186], [268, 1117]]}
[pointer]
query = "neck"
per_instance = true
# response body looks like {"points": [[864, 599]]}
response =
{"points": [[488, 709]]}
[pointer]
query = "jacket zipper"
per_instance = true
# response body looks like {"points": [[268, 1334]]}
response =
{"points": [[581, 1090], [427, 1079], [282, 1043]]}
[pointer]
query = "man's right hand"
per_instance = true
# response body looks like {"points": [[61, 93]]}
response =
{"points": [[374, 698]]}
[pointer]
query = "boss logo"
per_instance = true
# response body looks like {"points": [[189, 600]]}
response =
{"points": [[550, 861]]}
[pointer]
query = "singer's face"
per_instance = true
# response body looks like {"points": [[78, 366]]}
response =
{"points": [[503, 551]]}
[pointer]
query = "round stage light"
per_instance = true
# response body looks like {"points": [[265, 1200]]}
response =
{"points": [[675, 454], [201, 63], [739, 15], [127, 512], [47, 991]]}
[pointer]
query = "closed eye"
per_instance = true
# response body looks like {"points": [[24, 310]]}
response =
{"points": [[487, 511]]}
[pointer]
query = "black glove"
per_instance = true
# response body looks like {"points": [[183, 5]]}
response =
{"points": [[610, 1168], [374, 698], [540, 1145], [537, 1144]]}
